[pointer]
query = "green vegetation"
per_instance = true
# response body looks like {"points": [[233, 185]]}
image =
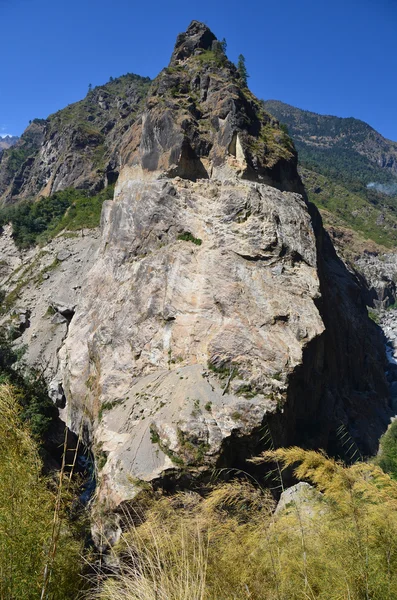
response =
{"points": [[27, 507], [38, 222], [188, 237], [83, 128], [339, 543], [338, 159], [215, 57], [387, 457], [29, 389], [341, 206], [374, 316]]}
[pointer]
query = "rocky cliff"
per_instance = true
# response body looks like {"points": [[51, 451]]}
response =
{"points": [[216, 307], [76, 147]]}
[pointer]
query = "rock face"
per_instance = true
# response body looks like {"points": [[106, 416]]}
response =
{"points": [[380, 272], [76, 147], [40, 290], [216, 305], [200, 120]]}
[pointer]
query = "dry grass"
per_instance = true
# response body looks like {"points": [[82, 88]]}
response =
{"points": [[230, 545]]}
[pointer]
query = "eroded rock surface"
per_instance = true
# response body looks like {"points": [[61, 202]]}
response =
{"points": [[76, 147], [380, 272]]}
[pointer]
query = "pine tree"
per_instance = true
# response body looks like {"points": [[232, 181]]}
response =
{"points": [[242, 70]]}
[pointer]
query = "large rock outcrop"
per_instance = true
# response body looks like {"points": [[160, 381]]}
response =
{"points": [[216, 305]]}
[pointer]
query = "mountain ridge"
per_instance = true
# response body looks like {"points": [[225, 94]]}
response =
{"points": [[349, 171]]}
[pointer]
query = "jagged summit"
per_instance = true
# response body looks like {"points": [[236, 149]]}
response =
{"points": [[197, 36], [201, 121]]}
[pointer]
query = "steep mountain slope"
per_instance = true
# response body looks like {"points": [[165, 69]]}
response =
{"points": [[349, 170], [331, 141], [76, 147]]}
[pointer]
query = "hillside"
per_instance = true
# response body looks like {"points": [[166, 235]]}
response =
{"points": [[75, 147], [349, 169]]}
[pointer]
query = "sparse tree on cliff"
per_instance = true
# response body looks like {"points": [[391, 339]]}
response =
{"points": [[242, 69]]}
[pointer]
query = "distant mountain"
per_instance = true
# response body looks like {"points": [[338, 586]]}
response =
{"points": [[332, 141], [8, 141], [349, 170]]}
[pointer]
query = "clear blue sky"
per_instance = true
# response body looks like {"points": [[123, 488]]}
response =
{"points": [[330, 56]]}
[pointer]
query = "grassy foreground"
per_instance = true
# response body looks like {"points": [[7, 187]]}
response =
{"points": [[339, 543]]}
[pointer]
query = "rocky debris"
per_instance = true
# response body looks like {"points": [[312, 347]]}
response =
{"points": [[301, 497], [56, 393], [64, 309], [11, 257], [387, 320], [217, 305]]}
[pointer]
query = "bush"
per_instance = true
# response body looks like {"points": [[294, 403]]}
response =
{"points": [[30, 390], [387, 458]]}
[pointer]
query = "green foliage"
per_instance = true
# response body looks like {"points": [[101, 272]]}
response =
{"points": [[31, 219], [30, 390], [387, 457], [26, 517], [215, 57], [374, 316], [188, 237], [242, 70], [336, 174], [351, 209], [70, 209]]}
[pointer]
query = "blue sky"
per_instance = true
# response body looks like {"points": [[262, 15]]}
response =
{"points": [[332, 57]]}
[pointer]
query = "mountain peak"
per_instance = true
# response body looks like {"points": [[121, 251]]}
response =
{"points": [[197, 36], [201, 121]]}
